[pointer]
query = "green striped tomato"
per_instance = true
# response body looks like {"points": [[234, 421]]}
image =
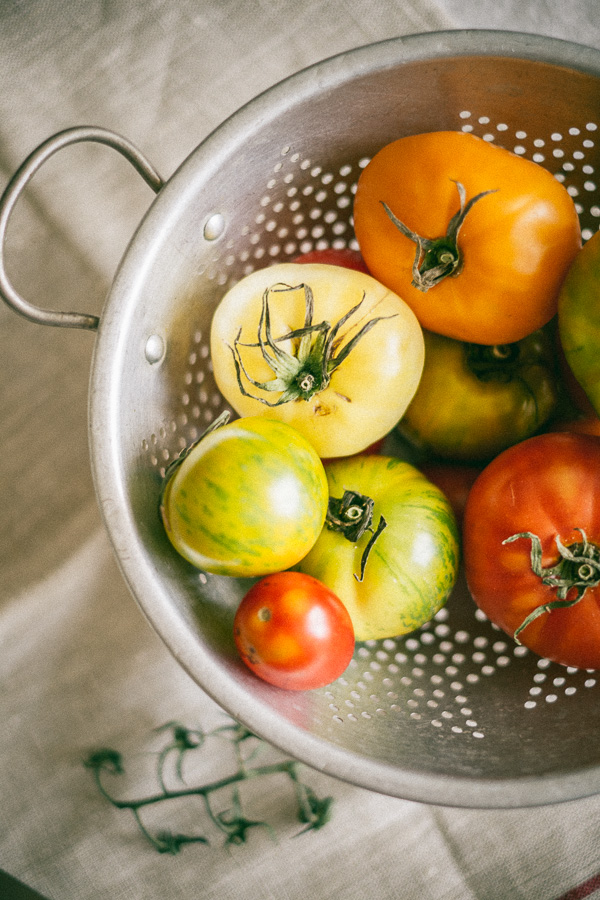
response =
{"points": [[249, 499], [413, 562]]}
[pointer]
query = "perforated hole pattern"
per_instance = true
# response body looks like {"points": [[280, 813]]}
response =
{"points": [[427, 676]]}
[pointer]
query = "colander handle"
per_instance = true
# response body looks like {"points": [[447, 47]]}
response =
{"points": [[18, 183]]}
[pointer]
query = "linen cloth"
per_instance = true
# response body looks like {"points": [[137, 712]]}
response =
{"points": [[79, 665]]}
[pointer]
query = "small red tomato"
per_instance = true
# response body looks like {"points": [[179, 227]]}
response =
{"points": [[293, 632], [344, 256]]}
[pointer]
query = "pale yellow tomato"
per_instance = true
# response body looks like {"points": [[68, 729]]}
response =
{"points": [[326, 349]]}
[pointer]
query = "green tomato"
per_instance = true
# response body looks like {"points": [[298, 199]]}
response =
{"points": [[248, 499], [475, 400], [579, 319], [390, 545]]}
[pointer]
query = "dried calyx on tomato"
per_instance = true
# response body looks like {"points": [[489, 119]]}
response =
{"points": [[308, 344], [578, 568], [531, 545], [352, 515], [437, 258], [315, 352]]}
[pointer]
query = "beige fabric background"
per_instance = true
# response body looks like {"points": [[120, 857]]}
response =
{"points": [[79, 666]]}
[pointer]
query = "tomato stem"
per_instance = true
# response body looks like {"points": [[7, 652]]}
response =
{"points": [[578, 567], [317, 351], [352, 516], [437, 258]]}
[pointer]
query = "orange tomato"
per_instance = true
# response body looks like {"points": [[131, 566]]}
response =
{"points": [[497, 278]]}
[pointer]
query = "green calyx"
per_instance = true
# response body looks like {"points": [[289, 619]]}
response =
{"points": [[352, 516], [437, 258], [578, 568], [317, 350]]}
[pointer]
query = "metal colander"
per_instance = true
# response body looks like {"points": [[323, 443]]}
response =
{"points": [[455, 713]]}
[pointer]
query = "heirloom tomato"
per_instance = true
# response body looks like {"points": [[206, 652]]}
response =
{"points": [[579, 319], [475, 400], [476, 239], [324, 348], [390, 546], [249, 498], [332, 256], [455, 480], [293, 632], [531, 545]]}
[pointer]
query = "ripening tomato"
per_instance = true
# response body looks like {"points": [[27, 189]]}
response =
{"points": [[579, 319], [293, 632], [580, 424], [476, 239], [333, 256], [455, 480], [324, 348], [531, 545], [390, 546], [475, 400], [248, 499]]}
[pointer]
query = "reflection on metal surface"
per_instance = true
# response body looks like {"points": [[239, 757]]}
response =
{"points": [[454, 713]]}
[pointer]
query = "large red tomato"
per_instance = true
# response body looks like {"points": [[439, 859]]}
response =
{"points": [[532, 545]]}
